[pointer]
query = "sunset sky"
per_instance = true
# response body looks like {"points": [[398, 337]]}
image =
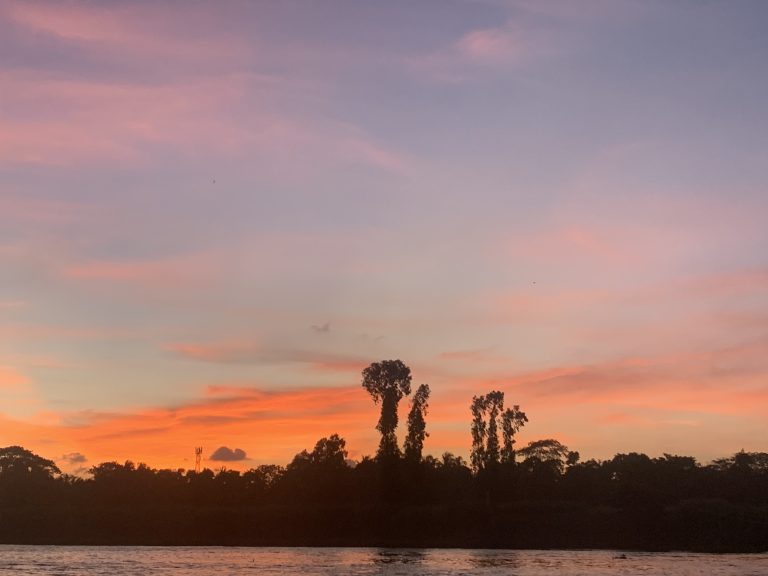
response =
{"points": [[213, 216]]}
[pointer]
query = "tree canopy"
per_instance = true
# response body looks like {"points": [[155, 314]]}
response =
{"points": [[387, 382]]}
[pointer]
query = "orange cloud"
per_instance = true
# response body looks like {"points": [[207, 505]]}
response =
{"points": [[726, 381], [11, 379], [270, 426]]}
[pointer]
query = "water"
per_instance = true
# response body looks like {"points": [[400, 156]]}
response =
{"points": [[214, 561]]}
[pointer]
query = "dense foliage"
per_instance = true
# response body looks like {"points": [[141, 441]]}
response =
{"points": [[629, 501]]}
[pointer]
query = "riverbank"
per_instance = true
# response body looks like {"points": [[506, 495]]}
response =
{"points": [[697, 526]]}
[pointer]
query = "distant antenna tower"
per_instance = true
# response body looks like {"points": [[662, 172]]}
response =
{"points": [[198, 458]]}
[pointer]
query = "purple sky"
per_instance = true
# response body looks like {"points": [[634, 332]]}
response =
{"points": [[213, 216]]}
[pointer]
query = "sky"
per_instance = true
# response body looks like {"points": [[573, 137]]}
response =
{"points": [[213, 216]]}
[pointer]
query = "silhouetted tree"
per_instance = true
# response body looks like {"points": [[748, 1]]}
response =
{"points": [[479, 432], [260, 480], [744, 462], [331, 452], [486, 412], [319, 474], [25, 476], [512, 420], [387, 382], [549, 451], [417, 426], [19, 462], [494, 405]]}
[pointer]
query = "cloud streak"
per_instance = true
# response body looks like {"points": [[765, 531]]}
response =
{"points": [[254, 353]]}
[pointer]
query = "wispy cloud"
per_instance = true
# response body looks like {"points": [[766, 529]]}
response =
{"points": [[255, 353], [729, 380], [127, 124], [20, 210], [10, 379], [123, 30], [203, 94], [480, 50], [491, 46], [186, 271], [475, 356]]}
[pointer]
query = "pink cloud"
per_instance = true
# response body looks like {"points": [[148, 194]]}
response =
{"points": [[732, 283], [22, 210], [653, 316], [76, 122], [78, 22], [150, 29], [84, 121], [204, 105], [599, 245], [186, 271], [490, 46], [486, 49]]}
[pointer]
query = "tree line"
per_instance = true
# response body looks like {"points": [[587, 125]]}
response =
{"points": [[539, 495]]}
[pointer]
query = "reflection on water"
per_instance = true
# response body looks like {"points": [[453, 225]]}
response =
{"points": [[398, 556], [494, 559], [214, 561]]}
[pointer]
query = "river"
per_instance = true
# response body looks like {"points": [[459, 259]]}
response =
{"points": [[210, 561]]}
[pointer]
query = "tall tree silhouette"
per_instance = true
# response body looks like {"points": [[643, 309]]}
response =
{"points": [[387, 382], [417, 425], [487, 410], [494, 405], [479, 432], [512, 420]]}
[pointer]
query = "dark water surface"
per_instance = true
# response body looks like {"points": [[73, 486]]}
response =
{"points": [[179, 561]]}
